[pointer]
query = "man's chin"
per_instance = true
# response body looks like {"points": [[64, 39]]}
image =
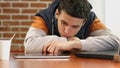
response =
{"points": [[66, 36], [63, 36]]}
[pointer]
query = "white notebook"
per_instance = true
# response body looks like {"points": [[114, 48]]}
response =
{"points": [[40, 56]]}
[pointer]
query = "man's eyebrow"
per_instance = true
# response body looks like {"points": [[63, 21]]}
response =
{"points": [[76, 25], [64, 21], [72, 25]]}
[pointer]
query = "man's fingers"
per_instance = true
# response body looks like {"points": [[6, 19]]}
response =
{"points": [[45, 48], [51, 49], [56, 51]]}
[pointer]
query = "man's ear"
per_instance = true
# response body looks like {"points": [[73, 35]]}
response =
{"points": [[56, 13], [84, 21]]}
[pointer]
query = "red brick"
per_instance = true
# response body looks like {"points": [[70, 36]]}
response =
{"points": [[24, 29], [18, 41], [17, 35], [0, 10], [29, 0], [10, 10], [20, 4], [4, 28], [10, 0], [20, 17], [23, 35], [4, 4], [32, 17], [10, 23], [15, 29], [4, 17], [29, 10], [25, 23], [46, 0], [7, 35], [0, 35], [38, 5]]}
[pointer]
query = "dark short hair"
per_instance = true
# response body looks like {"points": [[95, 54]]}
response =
{"points": [[75, 8]]}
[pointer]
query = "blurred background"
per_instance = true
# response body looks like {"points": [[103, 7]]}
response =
{"points": [[16, 17], [108, 11]]}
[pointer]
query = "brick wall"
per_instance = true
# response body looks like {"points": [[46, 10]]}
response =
{"points": [[16, 17]]}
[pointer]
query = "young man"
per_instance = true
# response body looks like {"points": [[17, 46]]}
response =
{"points": [[66, 25]]}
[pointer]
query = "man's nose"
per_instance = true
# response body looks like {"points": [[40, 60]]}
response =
{"points": [[67, 30]]}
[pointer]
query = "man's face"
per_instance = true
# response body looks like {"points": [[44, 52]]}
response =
{"points": [[68, 26]]}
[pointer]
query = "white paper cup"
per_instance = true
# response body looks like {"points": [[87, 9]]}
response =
{"points": [[5, 46]]}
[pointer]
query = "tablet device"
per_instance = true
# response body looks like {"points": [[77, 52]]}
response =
{"points": [[40, 56], [97, 54]]}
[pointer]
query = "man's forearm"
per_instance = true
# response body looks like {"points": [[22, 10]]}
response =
{"points": [[102, 41], [36, 39]]}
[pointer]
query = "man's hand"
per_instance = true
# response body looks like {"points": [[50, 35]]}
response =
{"points": [[55, 47]]}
